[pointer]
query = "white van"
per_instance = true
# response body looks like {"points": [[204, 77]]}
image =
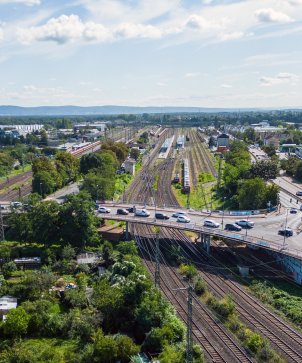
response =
{"points": [[142, 213]]}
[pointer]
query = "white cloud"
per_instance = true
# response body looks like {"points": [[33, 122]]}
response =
{"points": [[129, 30], [225, 85], [280, 78], [295, 2], [269, 15], [25, 2], [192, 74], [199, 23], [69, 28], [231, 36]]}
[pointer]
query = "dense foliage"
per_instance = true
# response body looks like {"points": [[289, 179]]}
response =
{"points": [[49, 175], [244, 184], [293, 167], [72, 222], [103, 319]]}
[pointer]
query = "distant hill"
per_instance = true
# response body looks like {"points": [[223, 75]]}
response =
{"points": [[106, 110]]}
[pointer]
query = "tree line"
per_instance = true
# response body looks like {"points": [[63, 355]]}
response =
{"points": [[245, 184]]}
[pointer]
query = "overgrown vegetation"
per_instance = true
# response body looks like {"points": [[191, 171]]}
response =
{"points": [[285, 298], [102, 319], [244, 184]]}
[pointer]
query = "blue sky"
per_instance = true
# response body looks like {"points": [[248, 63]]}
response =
{"points": [[204, 53]]}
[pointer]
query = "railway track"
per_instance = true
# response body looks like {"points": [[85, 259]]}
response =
{"points": [[284, 338], [207, 330]]}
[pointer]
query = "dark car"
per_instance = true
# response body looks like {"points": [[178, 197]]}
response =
{"points": [[299, 193], [232, 227], [287, 232], [130, 210], [122, 211], [161, 216]]}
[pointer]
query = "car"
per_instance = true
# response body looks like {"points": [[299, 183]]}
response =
{"points": [[232, 227], [287, 232], [183, 219], [245, 223], [210, 223], [159, 215], [16, 204], [142, 213], [293, 211], [104, 210], [177, 214], [131, 209], [27, 206], [122, 211], [299, 193]]}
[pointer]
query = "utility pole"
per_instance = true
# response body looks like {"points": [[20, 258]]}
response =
{"points": [[157, 266], [189, 352], [189, 348], [2, 235], [219, 171]]}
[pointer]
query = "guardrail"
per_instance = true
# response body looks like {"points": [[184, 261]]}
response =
{"points": [[199, 228]]}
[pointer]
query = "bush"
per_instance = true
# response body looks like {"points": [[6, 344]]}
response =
{"points": [[188, 271], [200, 286], [8, 268], [254, 342]]}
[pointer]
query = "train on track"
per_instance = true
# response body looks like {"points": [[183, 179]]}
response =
{"points": [[85, 149], [186, 184]]}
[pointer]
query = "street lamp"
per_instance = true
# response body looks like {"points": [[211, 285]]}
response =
{"points": [[224, 198], [97, 192], [284, 233], [41, 189]]}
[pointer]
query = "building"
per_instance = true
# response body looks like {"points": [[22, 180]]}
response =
{"points": [[129, 166], [7, 303], [298, 151], [223, 140], [272, 140]]}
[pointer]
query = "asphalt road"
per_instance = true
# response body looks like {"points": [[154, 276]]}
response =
{"points": [[266, 226]]}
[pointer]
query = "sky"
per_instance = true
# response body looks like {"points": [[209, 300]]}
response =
{"points": [[203, 53]]}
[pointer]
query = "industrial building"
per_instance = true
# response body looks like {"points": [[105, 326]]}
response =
{"points": [[223, 140]]}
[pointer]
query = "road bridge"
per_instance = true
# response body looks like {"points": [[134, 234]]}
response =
{"points": [[263, 235]]}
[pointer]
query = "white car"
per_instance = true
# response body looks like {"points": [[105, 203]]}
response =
{"points": [[210, 223], [183, 219], [245, 223], [16, 204], [178, 214], [104, 210], [142, 213]]}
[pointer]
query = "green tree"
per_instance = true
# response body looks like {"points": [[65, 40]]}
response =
{"points": [[134, 153], [98, 186], [78, 222], [67, 166], [264, 169], [16, 323], [43, 183], [251, 194], [105, 347]]}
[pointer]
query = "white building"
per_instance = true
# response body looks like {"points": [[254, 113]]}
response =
{"points": [[7, 303], [129, 166]]}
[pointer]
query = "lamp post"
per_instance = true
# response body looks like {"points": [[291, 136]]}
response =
{"points": [[41, 189], [284, 233], [97, 192], [224, 198]]}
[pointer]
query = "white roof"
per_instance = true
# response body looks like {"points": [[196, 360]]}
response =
{"points": [[8, 303]]}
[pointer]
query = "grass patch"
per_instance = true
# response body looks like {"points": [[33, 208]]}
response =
{"points": [[285, 298], [14, 172], [201, 197]]}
